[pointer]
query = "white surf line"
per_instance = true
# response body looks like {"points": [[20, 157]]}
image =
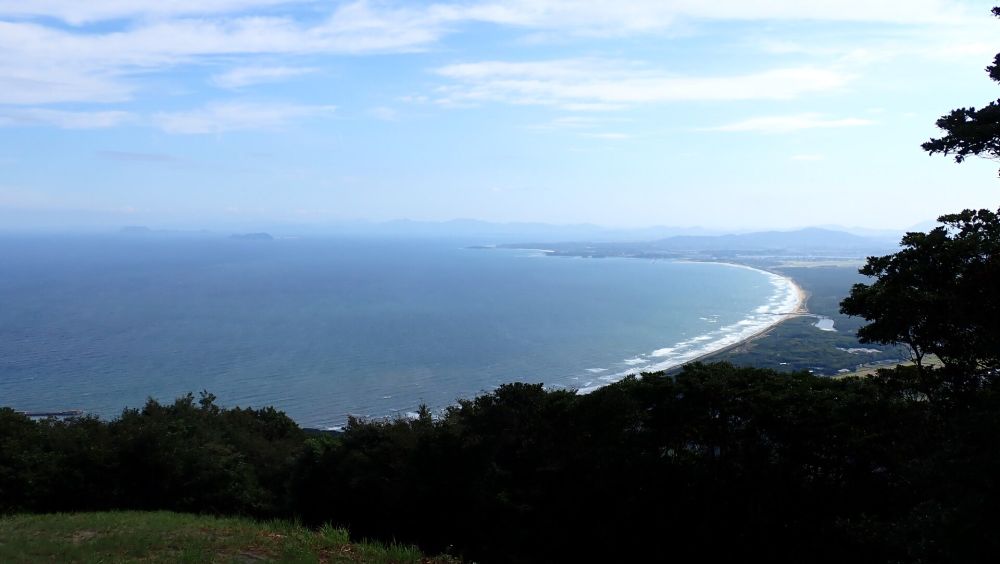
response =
{"points": [[787, 301]]}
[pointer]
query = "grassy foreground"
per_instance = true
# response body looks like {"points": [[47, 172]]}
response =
{"points": [[174, 537]]}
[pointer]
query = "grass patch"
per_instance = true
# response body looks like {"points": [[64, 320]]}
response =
{"points": [[930, 361], [174, 537]]}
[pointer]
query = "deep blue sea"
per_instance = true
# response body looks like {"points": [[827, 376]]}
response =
{"points": [[323, 328]]}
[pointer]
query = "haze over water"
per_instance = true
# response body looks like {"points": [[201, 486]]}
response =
{"points": [[322, 328]]}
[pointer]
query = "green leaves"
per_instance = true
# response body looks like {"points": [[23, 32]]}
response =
{"points": [[939, 294], [716, 463], [970, 131]]}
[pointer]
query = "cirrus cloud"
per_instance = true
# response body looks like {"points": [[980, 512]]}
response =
{"points": [[64, 119], [248, 76], [265, 40], [76, 12], [635, 15], [236, 116], [581, 84]]}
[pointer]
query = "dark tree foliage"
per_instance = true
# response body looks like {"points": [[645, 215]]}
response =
{"points": [[188, 456], [940, 294], [970, 131], [717, 463], [194, 456]]}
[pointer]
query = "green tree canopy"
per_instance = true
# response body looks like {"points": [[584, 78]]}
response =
{"points": [[940, 294], [971, 131]]}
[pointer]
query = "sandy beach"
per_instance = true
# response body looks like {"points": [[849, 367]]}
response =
{"points": [[800, 309], [789, 301]]}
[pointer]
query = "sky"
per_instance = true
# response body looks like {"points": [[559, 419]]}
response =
{"points": [[729, 114]]}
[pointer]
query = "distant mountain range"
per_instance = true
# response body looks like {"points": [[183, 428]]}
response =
{"points": [[525, 231], [659, 238], [812, 238], [510, 232], [458, 228], [809, 242]]}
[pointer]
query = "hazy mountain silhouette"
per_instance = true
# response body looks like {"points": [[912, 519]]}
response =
{"points": [[811, 238]]}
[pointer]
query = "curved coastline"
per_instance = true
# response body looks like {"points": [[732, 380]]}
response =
{"points": [[787, 301]]}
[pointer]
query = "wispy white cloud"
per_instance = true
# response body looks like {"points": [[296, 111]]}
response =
{"points": [[632, 15], [943, 44], [358, 27], [23, 83], [242, 77], [44, 64], [608, 136], [578, 83], [890, 11], [790, 123], [232, 116], [643, 16], [79, 12], [24, 117], [352, 29]]}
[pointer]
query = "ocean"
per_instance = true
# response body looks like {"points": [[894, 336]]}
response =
{"points": [[323, 328]]}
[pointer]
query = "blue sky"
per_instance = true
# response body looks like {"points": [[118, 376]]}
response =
{"points": [[729, 114]]}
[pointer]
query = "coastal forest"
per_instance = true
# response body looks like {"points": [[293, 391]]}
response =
{"points": [[716, 462]]}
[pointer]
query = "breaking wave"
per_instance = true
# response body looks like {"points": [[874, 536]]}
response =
{"points": [[784, 302]]}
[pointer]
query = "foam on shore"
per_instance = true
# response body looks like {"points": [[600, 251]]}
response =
{"points": [[786, 301]]}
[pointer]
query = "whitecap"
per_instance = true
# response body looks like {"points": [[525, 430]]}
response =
{"points": [[783, 303]]}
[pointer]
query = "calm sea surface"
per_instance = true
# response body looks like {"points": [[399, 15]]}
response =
{"points": [[322, 328]]}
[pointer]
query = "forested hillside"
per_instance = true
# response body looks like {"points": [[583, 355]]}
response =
{"points": [[718, 462]]}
